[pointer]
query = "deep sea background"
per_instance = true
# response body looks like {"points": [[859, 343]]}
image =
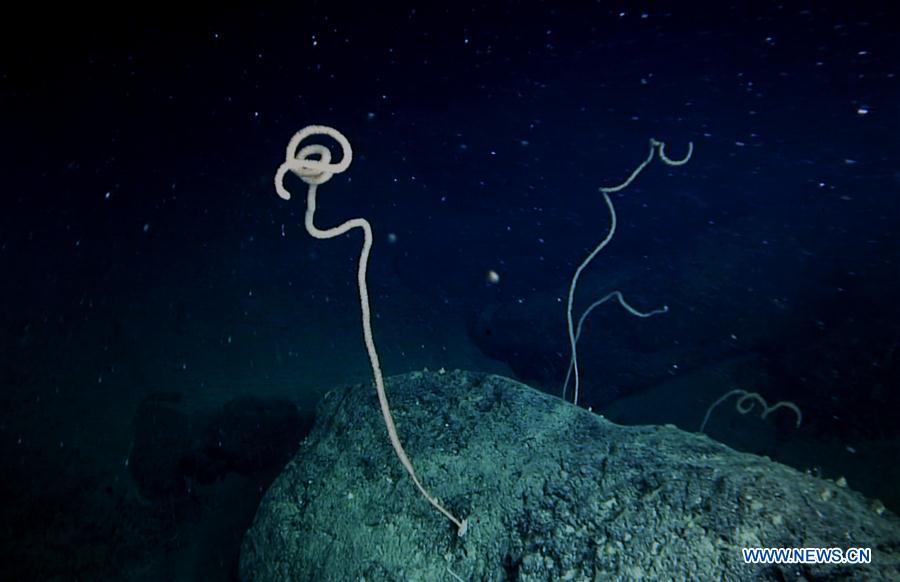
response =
{"points": [[167, 325]]}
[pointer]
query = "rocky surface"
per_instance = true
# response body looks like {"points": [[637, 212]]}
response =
{"points": [[550, 491]]}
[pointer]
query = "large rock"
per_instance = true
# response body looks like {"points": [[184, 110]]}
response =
{"points": [[551, 492]]}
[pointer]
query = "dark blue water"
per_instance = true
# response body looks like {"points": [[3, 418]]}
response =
{"points": [[167, 324]]}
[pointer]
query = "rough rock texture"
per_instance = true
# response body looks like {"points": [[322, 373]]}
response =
{"points": [[551, 491]]}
